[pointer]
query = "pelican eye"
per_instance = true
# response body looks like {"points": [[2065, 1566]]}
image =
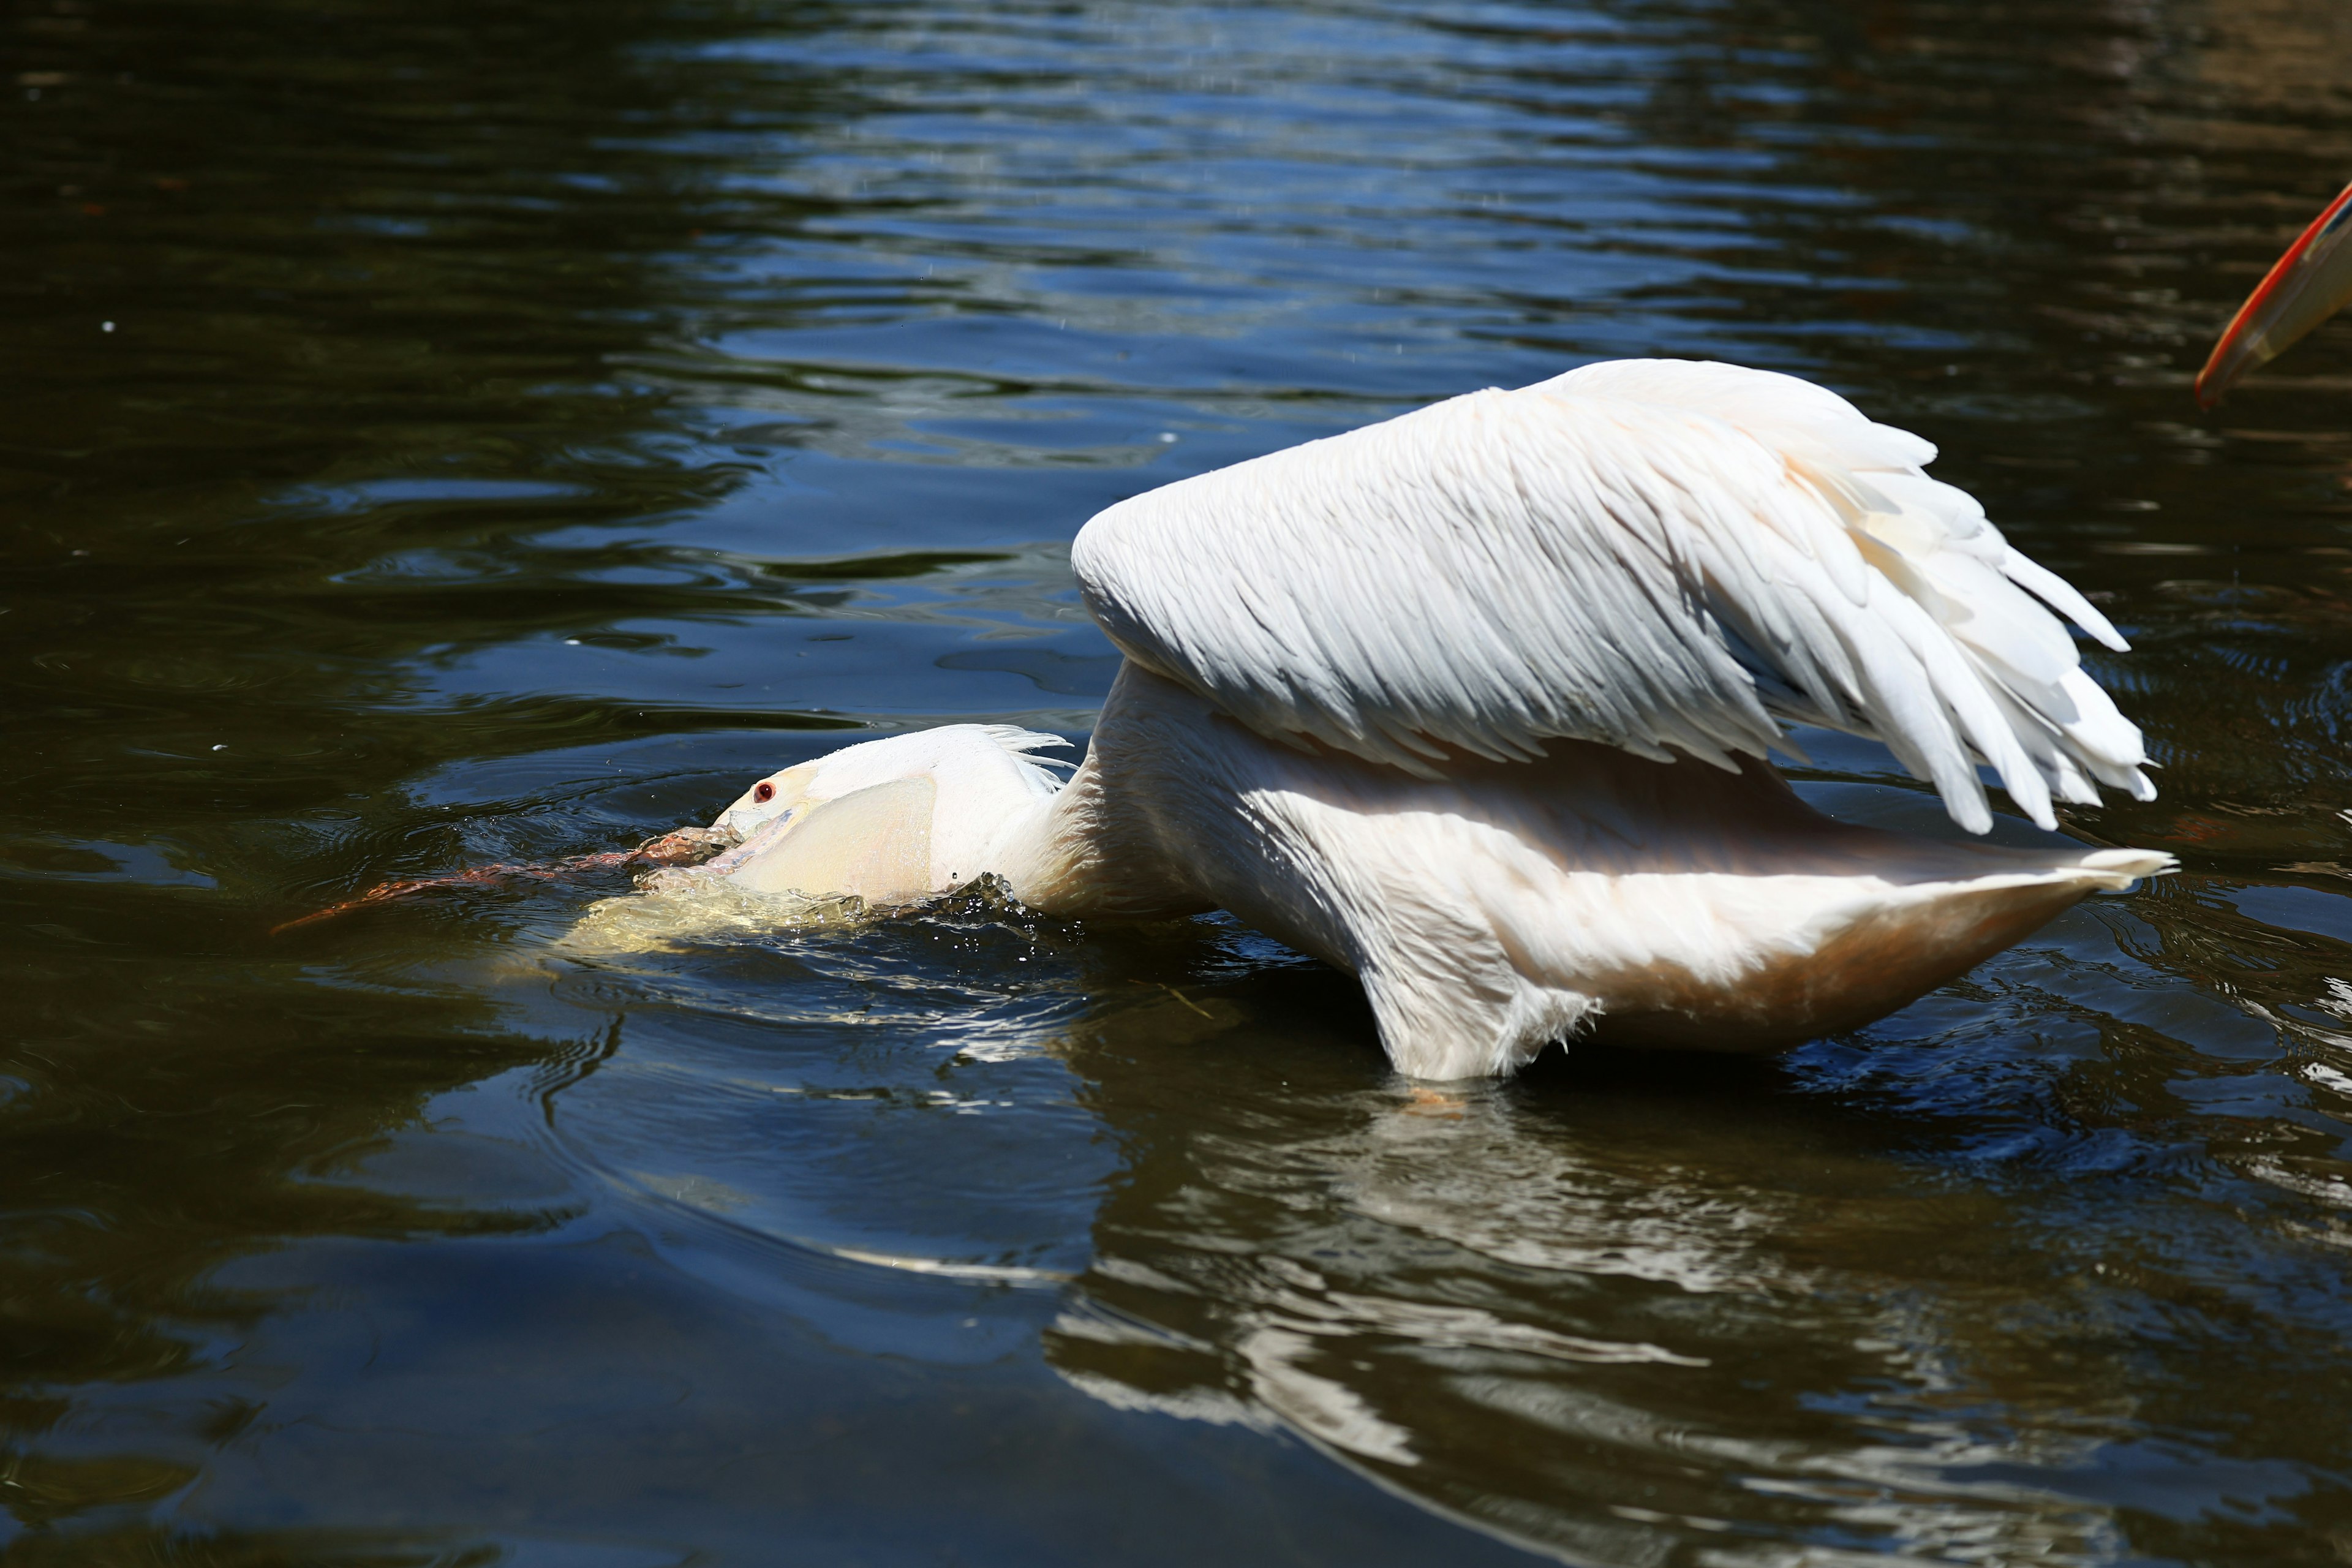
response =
{"points": [[762, 793]]}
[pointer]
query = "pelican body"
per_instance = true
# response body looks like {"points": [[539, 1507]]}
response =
{"points": [[1475, 704]]}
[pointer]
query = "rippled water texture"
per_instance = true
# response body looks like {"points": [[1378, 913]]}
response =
{"points": [[443, 433]]}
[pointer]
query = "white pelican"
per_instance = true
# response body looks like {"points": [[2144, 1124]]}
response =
{"points": [[1475, 704], [2308, 283]]}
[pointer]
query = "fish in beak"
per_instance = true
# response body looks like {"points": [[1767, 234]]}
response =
{"points": [[2308, 284]]}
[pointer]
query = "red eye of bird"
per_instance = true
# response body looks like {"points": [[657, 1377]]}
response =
{"points": [[763, 791]]}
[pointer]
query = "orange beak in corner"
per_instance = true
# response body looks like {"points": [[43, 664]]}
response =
{"points": [[2308, 284]]}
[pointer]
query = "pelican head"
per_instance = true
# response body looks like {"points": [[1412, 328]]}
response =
{"points": [[885, 820], [767, 800]]}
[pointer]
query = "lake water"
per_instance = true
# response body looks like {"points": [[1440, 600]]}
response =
{"points": [[440, 433]]}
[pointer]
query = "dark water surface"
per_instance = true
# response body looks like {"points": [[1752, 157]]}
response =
{"points": [[521, 423]]}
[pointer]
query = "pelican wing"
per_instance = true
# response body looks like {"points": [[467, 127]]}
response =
{"points": [[1660, 555]]}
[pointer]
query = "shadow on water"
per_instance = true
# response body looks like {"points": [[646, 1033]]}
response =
{"points": [[445, 434]]}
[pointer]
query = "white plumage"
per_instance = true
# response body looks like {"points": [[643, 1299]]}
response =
{"points": [[1657, 555], [1475, 704]]}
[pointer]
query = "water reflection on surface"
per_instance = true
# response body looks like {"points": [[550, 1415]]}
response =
{"points": [[443, 434]]}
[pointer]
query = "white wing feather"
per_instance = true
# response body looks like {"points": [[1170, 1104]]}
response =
{"points": [[1660, 555]]}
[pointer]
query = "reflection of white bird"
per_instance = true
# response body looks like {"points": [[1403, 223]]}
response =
{"points": [[1474, 704]]}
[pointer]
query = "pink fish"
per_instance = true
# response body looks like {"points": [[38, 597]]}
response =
{"points": [[686, 847]]}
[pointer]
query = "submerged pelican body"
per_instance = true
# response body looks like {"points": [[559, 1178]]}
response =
{"points": [[1475, 704]]}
